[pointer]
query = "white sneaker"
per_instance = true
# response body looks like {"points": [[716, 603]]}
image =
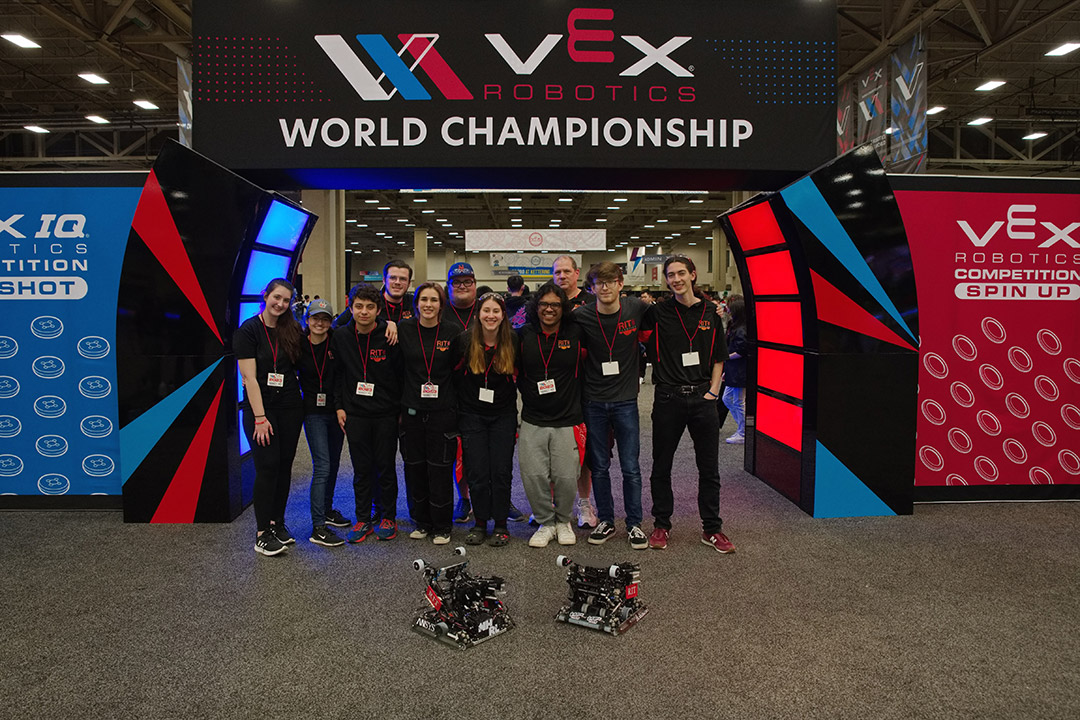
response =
{"points": [[565, 532], [541, 538], [586, 514], [736, 439], [418, 534]]}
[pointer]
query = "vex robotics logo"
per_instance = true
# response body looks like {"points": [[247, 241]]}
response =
{"points": [[421, 50]]}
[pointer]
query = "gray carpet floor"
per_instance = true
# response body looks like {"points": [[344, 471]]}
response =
{"points": [[959, 611]]}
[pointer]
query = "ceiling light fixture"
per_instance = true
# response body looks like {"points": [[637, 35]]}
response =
{"points": [[145, 104], [696, 201], [94, 79], [35, 129], [1056, 52], [372, 202], [980, 121], [990, 85], [1035, 136], [21, 41], [935, 110], [618, 199], [97, 119], [566, 199]]}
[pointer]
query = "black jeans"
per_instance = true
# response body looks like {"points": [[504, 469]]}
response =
{"points": [[674, 410], [428, 446], [273, 462], [372, 445], [487, 445]]}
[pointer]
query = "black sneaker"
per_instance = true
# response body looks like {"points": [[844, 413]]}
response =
{"points": [[268, 544], [463, 511], [515, 514], [336, 519], [638, 539], [281, 532], [603, 531], [326, 537]]}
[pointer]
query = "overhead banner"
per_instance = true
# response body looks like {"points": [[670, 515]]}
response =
{"points": [[486, 240], [59, 270], [872, 96], [908, 104], [531, 266], [739, 85], [845, 118], [998, 269]]}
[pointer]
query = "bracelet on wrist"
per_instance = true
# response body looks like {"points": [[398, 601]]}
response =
{"points": [[259, 416]]}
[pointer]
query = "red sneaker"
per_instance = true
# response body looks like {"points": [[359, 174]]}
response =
{"points": [[658, 539], [719, 541]]}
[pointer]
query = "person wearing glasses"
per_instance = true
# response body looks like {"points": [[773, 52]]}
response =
{"points": [[687, 351], [487, 401], [611, 329], [397, 305]]}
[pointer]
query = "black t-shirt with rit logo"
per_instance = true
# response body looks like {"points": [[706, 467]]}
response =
{"points": [[612, 338], [469, 384], [428, 357], [682, 331], [555, 356], [366, 358], [255, 340], [316, 367]]}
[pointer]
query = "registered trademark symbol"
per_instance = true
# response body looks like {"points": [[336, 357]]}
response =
{"points": [[690, 68]]}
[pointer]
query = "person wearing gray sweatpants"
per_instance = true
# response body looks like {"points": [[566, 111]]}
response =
{"points": [[551, 440]]}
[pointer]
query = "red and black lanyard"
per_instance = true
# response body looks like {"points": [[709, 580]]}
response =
{"points": [[428, 363], [491, 362], [271, 343], [400, 310], [319, 369], [618, 321], [550, 353], [458, 315], [364, 356]]}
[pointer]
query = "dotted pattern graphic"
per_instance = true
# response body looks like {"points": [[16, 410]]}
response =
{"points": [[1000, 406], [249, 70], [782, 72]]}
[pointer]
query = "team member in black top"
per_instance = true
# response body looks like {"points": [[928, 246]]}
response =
{"points": [[516, 300], [428, 416], [551, 439], [267, 349], [687, 352], [611, 331], [735, 375], [397, 305], [367, 398], [324, 437], [488, 416]]}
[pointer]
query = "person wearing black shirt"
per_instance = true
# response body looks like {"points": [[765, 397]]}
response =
{"points": [[611, 331], [688, 353], [487, 420], [267, 349], [367, 401], [735, 377], [551, 439], [429, 432], [515, 300], [397, 305]]}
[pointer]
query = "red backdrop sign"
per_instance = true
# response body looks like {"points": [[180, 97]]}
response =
{"points": [[998, 277]]}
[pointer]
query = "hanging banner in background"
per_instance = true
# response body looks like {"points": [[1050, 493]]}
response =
{"points": [[871, 96], [59, 272], [552, 240], [845, 118], [908, 103], [531, 266], [998, 273]]}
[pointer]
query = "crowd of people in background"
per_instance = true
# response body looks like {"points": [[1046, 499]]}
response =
{"points": [[439, 374]]}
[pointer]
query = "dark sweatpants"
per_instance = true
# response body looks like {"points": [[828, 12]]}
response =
{"points": [[273, 462]]}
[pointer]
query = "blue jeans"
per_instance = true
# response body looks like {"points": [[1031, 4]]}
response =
{"points": [[735, 399], [620, 418], [324, 438]]}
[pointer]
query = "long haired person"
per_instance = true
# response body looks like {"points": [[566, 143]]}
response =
{"points": [[487, 398], [267, 349], [428, 415]]}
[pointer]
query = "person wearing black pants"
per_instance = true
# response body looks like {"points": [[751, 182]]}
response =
{"points": [[688, 352], [488, 421], [428, 416], [267, 349]]}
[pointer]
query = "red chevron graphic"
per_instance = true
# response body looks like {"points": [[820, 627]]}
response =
{"points": [[154, 224], [834, 307], [182, 497]]}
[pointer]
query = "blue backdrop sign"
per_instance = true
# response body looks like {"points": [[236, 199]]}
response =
{"points": [[61, 250]]}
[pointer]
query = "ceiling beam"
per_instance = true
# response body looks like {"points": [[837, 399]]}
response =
{"points": [[901, 15], [859, 27], [976, 18], [174, 13], [886, 46]]}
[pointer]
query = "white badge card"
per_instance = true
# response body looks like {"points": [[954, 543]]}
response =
{"points": [[320, 400], [690, 358], [611, 367], [275, 380], [429, 391], [487, 395], [365, 389], [546, 387]]}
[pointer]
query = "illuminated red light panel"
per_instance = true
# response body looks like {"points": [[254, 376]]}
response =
{"points": [[780, 420], [772, 274], [779, 322], [756, 227], [780, 371]]}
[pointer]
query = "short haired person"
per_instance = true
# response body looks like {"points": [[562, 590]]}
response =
{"points": [[565, 273], [688, 351], [551, 440], [267, 349], [429, 429], [611, 329], [515, 300], [324, 437], [367, 402], [397, 305], [735, 376], [487, 417], [647, 297]]}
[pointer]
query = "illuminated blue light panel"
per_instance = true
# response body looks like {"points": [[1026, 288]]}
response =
{"points": [[282, 227], [245, 446], [262, 268], [248, 310]]}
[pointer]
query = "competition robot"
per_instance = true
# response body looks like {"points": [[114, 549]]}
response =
{"points": [[464, 610], [604, 599]]}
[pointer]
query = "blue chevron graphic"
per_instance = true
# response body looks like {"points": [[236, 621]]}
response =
{"points": [[138, 437], [839, 493], [805, 201]]}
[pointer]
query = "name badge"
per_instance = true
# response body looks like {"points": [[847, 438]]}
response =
{"points": [[320, 400], [690, 358], [365, 389], [275, 379], [546, 387], [429, 391], [487, 395], [610, 368]]}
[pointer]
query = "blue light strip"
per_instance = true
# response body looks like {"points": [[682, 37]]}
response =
{"points": [[282, 226]]}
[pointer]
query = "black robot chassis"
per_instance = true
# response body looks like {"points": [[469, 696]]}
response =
{"points": [[463, 610], [602, 598]]}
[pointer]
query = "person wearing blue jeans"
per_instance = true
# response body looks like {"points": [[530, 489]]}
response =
{"points": [[612, 330]]}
